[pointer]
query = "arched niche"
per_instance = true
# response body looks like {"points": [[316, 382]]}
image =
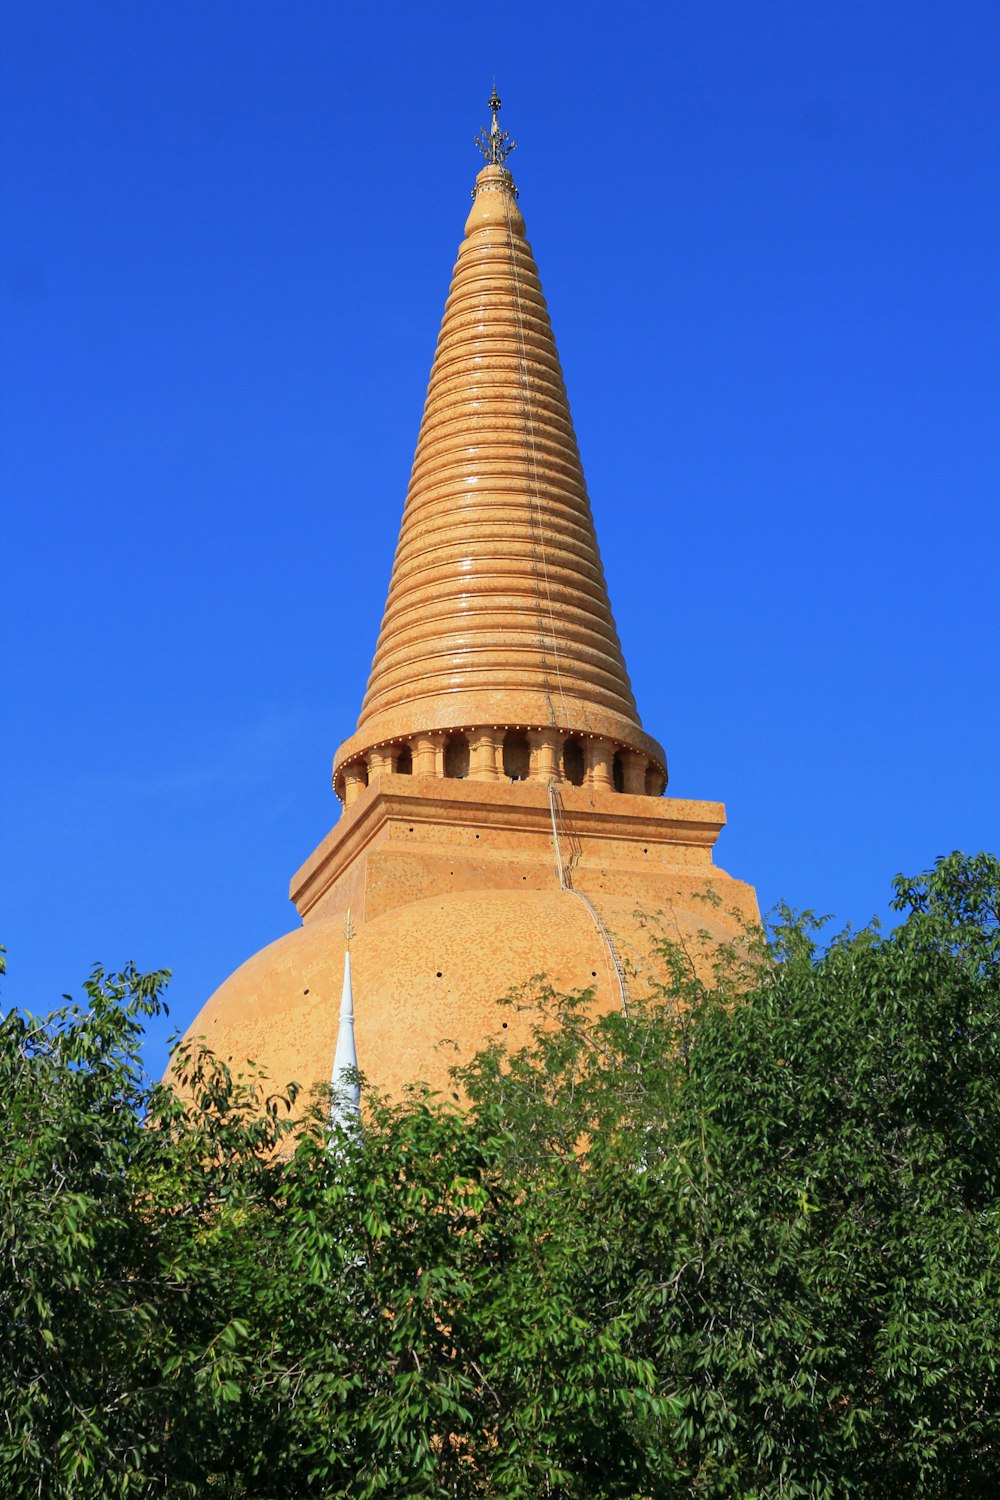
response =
{"points": [[516, 755], [456, 757], [654, 782], [573, 765]]}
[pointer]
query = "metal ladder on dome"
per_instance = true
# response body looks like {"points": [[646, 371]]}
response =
{"points": [[564, 870]]}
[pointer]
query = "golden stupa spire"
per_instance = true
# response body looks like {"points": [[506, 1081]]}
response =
{"points": [[498, 612], [503, 816]]}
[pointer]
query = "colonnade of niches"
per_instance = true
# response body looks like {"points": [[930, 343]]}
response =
{"points": [[510, 755]]}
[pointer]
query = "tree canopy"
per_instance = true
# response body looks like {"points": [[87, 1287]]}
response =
{"points": [[740, 1242]]}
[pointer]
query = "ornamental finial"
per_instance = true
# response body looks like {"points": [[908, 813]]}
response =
{"points": [[495, 144]]}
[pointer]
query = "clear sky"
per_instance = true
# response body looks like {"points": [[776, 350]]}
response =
{"points": [[768, 235]]}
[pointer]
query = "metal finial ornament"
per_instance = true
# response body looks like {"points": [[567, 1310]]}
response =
{"points": [[348, 929], [495, 144]]}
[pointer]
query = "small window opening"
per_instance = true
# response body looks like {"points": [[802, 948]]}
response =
{"points": [[618, 772], [404, 762], [456, 757], [573, 762], [516, 755]]}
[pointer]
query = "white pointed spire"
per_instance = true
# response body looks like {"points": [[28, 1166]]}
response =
{"points": [[345, 1107]]}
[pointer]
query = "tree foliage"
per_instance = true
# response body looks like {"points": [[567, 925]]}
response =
{"points": [[742, 1242]]}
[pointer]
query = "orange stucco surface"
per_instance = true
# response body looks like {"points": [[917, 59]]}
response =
{"points": [[455, 898]]}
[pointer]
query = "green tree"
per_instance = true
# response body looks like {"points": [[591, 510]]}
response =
{"points": [[190, 1306], [742, 1242]]}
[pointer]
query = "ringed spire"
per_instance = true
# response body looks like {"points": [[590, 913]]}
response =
{"points": [[497, 618]]}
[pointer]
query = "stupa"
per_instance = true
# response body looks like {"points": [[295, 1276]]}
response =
{"points": [[503, 814]]}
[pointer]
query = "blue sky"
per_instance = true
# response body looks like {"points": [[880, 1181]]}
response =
{"points": [[768, 238]]}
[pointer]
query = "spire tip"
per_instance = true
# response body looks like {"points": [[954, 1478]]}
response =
{"points": [[495, 144]]}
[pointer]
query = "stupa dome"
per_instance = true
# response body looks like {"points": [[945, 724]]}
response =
{"points": [[503, 810], [428, 977]]}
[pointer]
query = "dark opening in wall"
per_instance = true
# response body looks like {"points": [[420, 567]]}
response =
{"points": [[456, 757], [404, 762], [573, 762], [516, 755], [361, 766], [618, 772]]}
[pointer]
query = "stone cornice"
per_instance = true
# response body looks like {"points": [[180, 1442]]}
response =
{"points": [[520, 807]]}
